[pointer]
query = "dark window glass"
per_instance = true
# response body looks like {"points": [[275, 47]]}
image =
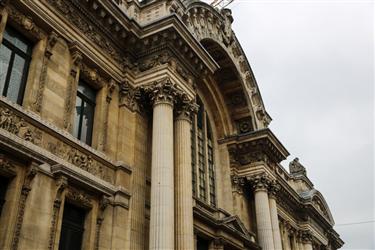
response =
{"points": [[72, 228], [3, 190], [84, 113], [202, 244], [193, 158], [203, 168], [15, 55]]}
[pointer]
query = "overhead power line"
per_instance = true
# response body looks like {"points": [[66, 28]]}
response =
{"points": [[221, 3], [355, 223]]}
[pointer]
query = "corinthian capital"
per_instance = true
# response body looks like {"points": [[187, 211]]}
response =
{"points": [[273, 188], [163, 91], [185, 107], [260, 182], [306, 236]]}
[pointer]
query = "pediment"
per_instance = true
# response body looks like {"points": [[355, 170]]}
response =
{"points": [[235, 224], [318, 202]]}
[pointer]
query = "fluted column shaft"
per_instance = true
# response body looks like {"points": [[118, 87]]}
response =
{"points": [[162, 178], [307, 246], [183, 183], [263, 218], [287, 242], [275, 223]]}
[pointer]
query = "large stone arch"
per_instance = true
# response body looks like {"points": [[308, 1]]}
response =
{"points": [[212, 28]]}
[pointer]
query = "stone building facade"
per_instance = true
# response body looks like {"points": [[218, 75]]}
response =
{"points": [[139, 125]]}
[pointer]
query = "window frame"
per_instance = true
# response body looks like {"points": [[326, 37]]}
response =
{"points": [[72, 225], [92, 103], [26, 56], [207, 197]]}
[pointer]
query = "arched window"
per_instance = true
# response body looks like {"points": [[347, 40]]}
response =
{"points": [[203, 167]]}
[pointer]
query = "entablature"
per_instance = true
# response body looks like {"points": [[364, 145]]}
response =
{"points": [[258, 146]]}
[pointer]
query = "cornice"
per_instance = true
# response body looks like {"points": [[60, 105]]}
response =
{"points": [[260, 145]]}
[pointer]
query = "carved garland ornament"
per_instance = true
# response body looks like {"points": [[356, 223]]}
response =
{"points": [[61, 184], [6, 165], [51, 42], [78, 197], [103, 203], [26, 188]]}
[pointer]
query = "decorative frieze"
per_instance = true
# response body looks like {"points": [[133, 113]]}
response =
{"points": [[92, 30], [15, 124], [258, 146]]}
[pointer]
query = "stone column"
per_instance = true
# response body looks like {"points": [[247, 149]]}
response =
{"points": [[274, 188], [162, 175], [285, 230], [183, 178], [307, 240], [262, 211]]}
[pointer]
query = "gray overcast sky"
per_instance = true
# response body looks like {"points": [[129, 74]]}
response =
{"points": [[314, 63]]}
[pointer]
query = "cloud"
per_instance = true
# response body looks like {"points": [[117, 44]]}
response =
{"points": [[314, 63]]}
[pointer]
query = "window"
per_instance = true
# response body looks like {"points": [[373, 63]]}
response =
{"points": [[15, 56], [84, 113], [202, 244], [72, 228], [3, 189], [203, 168]]}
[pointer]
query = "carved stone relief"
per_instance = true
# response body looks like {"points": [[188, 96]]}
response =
{"points": [[26, 188], [26, 23], [15, 124], [6, 165], [61, 184], [93, 33], [103, 203], [78, 197], [51, 42]]}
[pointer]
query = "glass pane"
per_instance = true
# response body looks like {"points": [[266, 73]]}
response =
{"points": [[18, 69], [18, 41], [77, 115], [5, 54], [88, 92], [87, 123], [72, 228]]}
